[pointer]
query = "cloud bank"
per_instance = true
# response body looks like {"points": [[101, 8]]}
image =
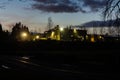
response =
{"points": [[68, 6], [65, 6]]}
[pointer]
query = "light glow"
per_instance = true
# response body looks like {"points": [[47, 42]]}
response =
{"points": [[23, 34], [75, 31], [92, 39], [52, 35], [61, 29], [37, 37]]}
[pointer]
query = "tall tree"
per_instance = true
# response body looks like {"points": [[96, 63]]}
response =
{"points": [[112, 9], [0, 28], [50, 23], [17, 29]]}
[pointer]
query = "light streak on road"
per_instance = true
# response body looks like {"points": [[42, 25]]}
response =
{"points": [[4, 66], [24, 61], [25, 58]]}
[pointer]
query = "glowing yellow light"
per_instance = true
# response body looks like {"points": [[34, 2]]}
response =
{"points": [[100, 37], [75, 31], [52, 35], [92, 39], [23, 34], [43, 38], [37, 37], [61, 29]]}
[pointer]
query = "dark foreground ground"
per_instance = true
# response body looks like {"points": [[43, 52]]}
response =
{"points": [[59, 60]]}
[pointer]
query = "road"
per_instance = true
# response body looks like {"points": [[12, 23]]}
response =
{"points": [[29, 67]]}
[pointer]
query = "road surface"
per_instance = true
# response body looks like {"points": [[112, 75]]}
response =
{"points": [[30, 67]]}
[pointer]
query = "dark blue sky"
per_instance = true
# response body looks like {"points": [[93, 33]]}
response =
{"points": [[34, 13]]}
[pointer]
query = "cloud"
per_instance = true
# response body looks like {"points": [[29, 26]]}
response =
{"points": [[68, 6], [94, 5], [3, 4], [56, 6], [64, 6]]}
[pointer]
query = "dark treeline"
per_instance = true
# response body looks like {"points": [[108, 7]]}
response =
{"points": [[9, 44]]}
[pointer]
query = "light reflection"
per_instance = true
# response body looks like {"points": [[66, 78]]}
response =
{"points": [[23, 61], [24, 57], [4, 66]]}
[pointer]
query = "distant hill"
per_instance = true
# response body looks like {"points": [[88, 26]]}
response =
{"points": [[102, 23]]}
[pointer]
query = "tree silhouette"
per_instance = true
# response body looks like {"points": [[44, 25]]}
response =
{"points": [[112, 9], [117, 25], [50, 23], [0, 28], [4, 35], [17, 29]]}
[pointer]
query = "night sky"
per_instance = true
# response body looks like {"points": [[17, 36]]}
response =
{"points": [[35, 13]]}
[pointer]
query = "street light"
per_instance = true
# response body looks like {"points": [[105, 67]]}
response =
{"points": [[37, 37], [61, 29], [23, 34]]}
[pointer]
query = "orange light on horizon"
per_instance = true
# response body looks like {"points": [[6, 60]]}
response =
{"points": [[92, 39]]}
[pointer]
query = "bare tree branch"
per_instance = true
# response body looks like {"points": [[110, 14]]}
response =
{"points": [[112, 7]]}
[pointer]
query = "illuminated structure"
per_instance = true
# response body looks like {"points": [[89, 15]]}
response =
{"points": [[66, 34], [53, 34], [76, 34], [35, 36]]}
